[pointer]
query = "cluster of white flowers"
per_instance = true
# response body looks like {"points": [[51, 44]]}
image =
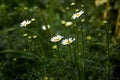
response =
{"points": [[44, 27], [78, 14], [57, 38]]}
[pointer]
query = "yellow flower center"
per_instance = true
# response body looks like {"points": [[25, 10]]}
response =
{"points": [[57, 39], [68, 42], [77, 14]]}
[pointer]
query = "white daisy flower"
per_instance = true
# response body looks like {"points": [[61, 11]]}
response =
{"points": [[67, 41], [44, 27], [77, 15], [25, 23], [56, 38]]}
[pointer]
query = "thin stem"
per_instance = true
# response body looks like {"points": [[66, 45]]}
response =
{"points": [[108, 53], [58, 50], [41, 49], [71, 53], [45, 22], [83, 54], [76, 61]]}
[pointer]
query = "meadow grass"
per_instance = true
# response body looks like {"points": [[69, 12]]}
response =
{"points": [[62, 43]]}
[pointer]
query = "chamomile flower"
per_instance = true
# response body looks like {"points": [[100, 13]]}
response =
{"points": [[33, 19], [67, 41], [82, 20], [24, 35], [76, 10], [68, 23], [72, 4], [29, 37], [54, 47], [44, 27], [35, 36], [63, 22], [88, 38], [78, 14], [56, 38], [25, 23], [67, 8]]}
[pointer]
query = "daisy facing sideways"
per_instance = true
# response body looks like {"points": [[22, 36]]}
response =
{"points": [[25, 23], [78, 14], [67, 41], [56, 38]]}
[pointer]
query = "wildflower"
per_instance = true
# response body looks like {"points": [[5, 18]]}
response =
{"points": [[104, 22], [110, 31], [99, 34], [63, 22], [24, 49], [82, 20], [24, 35], [51, 79], [54, 47], [25, 8], [68, 41], [90, 20], [67, 8], [79, 54], [33, 19], [25, 23], [74, 25], [72, 4], [45, 78], [44, 27], [77, 15], [30, 9], [29, 37], [89, 38], [68, 24], [56, 38], [35, 36], [82, 5], [77, 10], [14, 59]]}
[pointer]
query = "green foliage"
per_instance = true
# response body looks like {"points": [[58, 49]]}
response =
{"points": [[27, 53]]}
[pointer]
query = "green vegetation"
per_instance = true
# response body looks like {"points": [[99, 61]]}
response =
{"points": [[59, 40]]}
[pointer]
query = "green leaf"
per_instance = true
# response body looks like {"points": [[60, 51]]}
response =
{"points": [[7, 30], [11, 51]]}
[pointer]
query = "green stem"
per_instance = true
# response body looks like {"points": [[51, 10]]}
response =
{"points": [[58, 50], [108, 53], [83, 55], [41, 49], [71, 53], [76, 61], [45, 22]]}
